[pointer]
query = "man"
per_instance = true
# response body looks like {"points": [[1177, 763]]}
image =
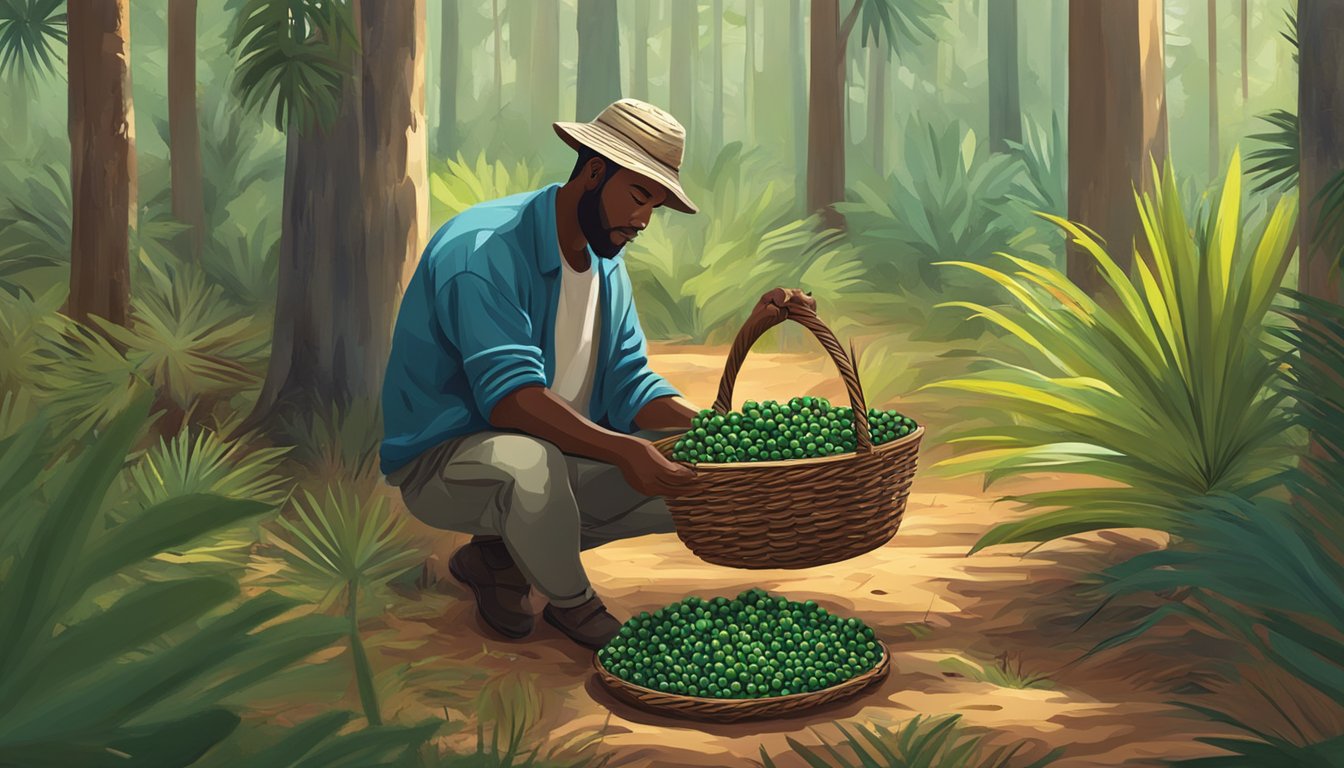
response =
{"points": [[518, 402]]}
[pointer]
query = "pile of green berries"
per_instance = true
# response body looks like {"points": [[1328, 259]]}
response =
{"points": [[752, 646], [803, 428]]}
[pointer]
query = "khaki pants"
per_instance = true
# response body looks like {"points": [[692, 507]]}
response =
{"points": [[547, 505]]}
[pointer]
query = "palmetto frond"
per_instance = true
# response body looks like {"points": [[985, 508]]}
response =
{"points": [[30, 33]]}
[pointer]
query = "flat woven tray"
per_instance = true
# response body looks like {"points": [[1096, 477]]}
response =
{"points": [[733, 710]]}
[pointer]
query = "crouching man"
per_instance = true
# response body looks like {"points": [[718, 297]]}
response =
{"points": [[518, 402]]}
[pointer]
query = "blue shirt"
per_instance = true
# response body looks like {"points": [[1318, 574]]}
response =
{"points": [[478, 321]]}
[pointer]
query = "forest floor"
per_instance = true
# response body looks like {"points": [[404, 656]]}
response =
{"points": [[1010, 608]]}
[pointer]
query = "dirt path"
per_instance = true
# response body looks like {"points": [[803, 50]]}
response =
{"points": [[927, 600]]}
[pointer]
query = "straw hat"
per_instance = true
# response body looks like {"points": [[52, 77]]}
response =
{"points": [[638, 136]]}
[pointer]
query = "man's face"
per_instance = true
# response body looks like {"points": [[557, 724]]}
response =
{"points": [[615, 211]]}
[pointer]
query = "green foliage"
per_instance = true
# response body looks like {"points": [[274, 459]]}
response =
{"points": [[1001, 672], [194, 346], [900, 22], [30, 31], [1176, 351], [954, 201], [339, 444], [208, 464], [94, 695], [35, 217], [923, 742], [297, 52], [344, 546], [693, 274], [1276, 163], [317, 743], [242, 167], [1046, 166], [341, 540], [460, 184]]}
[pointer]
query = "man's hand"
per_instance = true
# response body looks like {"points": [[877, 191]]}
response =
{"points": [[653, 474], [774, 302]]}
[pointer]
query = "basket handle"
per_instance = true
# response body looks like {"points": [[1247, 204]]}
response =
{"points": [[758, 324]]}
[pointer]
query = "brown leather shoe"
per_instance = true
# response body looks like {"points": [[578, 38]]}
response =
{"points": [[500, 588], [588, 623]]}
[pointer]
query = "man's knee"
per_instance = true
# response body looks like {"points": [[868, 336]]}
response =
{"points": [[534, 469]]}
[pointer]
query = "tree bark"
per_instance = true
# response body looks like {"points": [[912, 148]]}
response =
{"points": [[499, 58], [798, 82], [599, 75], [1245, 55], [1215, 157], [356, 216], [716, 110], [449, 60], [1117, 123], [101, 122], [639, 70], [877, 105], [1059, 51], [749, 76], [544, 83], [1005, 111], [395, 178], [184, 129], [681, 74], [1320, 97], [826, 112]]}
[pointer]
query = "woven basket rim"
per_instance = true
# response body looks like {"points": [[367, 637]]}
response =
{"points": [[913, 437], [858, 681]]}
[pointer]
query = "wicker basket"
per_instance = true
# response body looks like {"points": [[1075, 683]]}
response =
{"points": [[797, 513], [732, 710]]}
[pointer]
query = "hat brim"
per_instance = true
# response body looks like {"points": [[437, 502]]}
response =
{"points": [[627, 154]]}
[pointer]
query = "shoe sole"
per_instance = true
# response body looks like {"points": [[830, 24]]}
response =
{"points": [[577, 641], [476, 593]]}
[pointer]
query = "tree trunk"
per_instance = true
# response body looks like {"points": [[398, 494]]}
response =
{"points": [[599, 75], [1005, 112], [355, 220], [544, 83], [1245, 55], [716, 116], [798, 82], [449, 58], [1320, 97], [826, 113], [1215, 161], [184, 128], [1059, 52], [395, 178], [749, 75], [1117, 123], [102, 158], [499, 58], [681, 74], [877, 105], [639, 70], [20, 91]]}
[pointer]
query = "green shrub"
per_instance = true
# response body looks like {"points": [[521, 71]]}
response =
{"points": [[461, 184], [97, 693], [954, 200], [922, 742], [1166, 390]]}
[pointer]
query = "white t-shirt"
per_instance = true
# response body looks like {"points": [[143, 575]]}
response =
{"points": [[576, 325]]}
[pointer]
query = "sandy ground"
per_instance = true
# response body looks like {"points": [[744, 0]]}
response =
{"points": [[929, 602]]}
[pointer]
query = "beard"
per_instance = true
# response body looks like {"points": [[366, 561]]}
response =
{"points": [[593, 224]]}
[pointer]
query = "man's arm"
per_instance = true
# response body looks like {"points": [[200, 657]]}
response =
{"points": [[670, 412], [536, 410]]}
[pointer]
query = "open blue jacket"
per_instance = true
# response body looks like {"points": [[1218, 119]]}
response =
{"points": [[478, 321]]}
